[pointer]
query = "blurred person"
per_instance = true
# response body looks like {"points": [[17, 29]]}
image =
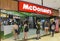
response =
{"points": [[15, 31], [0, 24], [53, 25], [46, 25], [38, 29], [59, 25], [26, 29], [0, 30]]}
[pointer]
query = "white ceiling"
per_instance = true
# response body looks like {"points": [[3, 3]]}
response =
{"points": [[52, 3], [49, 3]]}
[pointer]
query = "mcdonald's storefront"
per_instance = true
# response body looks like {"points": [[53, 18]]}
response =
{"points": [[27, 9], [38, 9]]}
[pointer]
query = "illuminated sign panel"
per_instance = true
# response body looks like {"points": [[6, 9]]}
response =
{"points": [[33, 8]]}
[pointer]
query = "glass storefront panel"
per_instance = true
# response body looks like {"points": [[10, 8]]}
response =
{"points": [[20, 17]]}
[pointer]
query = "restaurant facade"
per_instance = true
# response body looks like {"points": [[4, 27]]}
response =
{"points": [[21, 10]]}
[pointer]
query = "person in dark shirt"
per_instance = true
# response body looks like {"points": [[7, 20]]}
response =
{"points": [[26, 29], [52, 28], [38, 29]]}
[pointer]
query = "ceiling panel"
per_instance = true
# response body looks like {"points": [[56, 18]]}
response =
{"points": [[52, 3], [34, 1]]}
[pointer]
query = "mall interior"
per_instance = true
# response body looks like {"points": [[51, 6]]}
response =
{"points": [[31, 10]]}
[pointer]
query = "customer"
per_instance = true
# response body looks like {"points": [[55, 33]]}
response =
{"points": [[0, 30], [15, 31], [0, 24], [38, 29], [59, 25], [26, 29], [46, 25], [53, 28]]}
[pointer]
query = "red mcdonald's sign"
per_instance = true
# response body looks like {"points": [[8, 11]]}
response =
{"points": [[34, 8]]}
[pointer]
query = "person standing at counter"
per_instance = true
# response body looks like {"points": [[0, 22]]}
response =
{"points": [[26, 29], [15, 31], [38, 29]]}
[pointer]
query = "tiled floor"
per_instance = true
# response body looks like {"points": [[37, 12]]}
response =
{"points": [[49, 38], [45, 38], [31, 33]]}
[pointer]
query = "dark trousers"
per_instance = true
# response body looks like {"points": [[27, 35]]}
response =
{"points": [[52, 32]]}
